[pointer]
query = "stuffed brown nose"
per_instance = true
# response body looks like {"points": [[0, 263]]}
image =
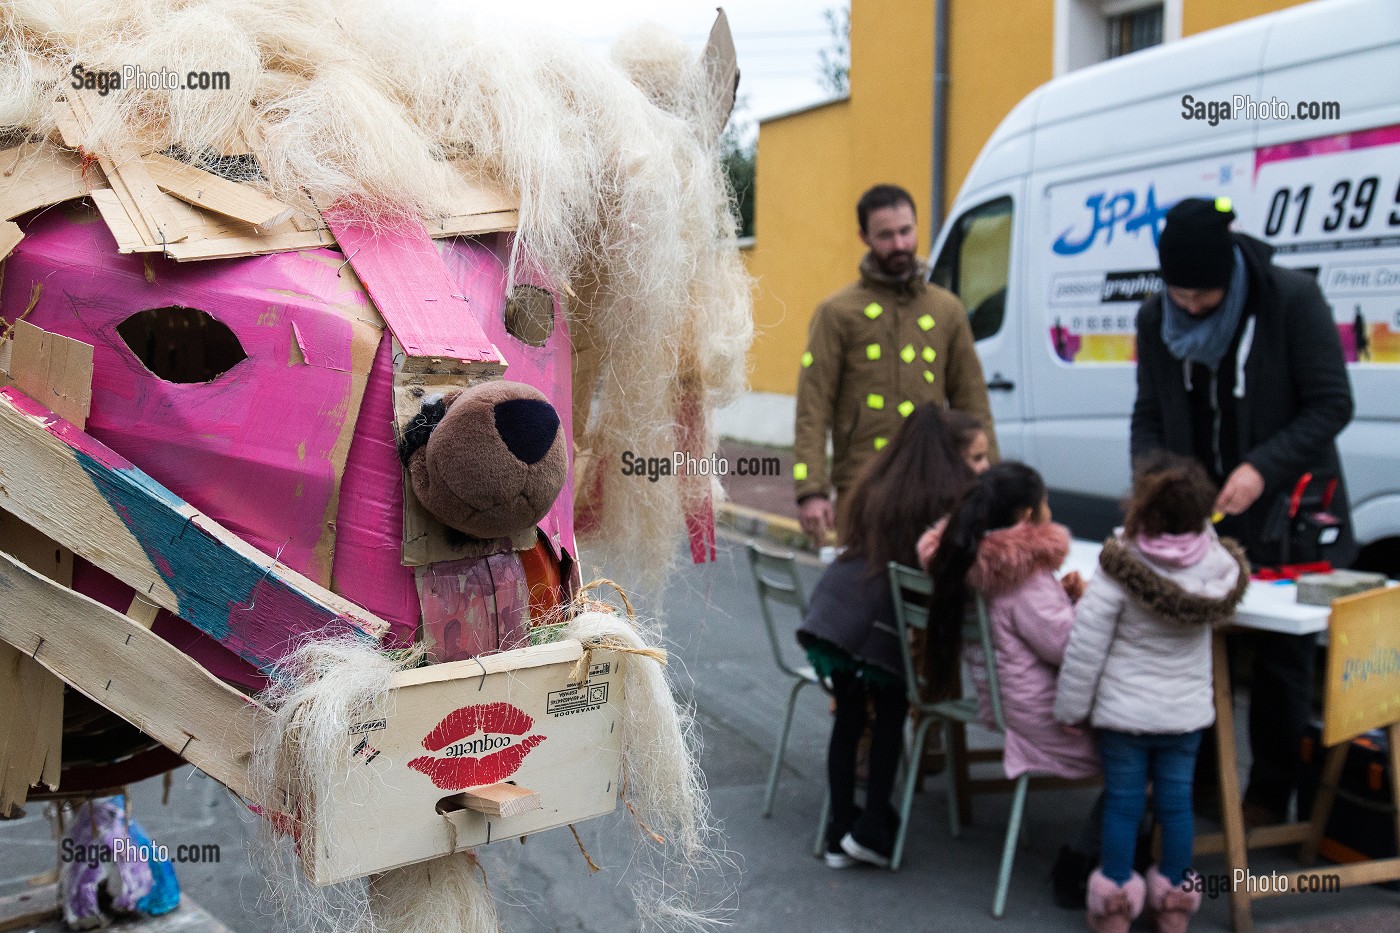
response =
{"points": [[528, 427]]}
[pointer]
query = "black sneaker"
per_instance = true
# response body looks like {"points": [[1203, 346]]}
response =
{"points": [[1070, 878], [869, 852]]}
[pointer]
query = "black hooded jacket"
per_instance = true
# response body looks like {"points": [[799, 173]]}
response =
{"points": [[1282, 389]]}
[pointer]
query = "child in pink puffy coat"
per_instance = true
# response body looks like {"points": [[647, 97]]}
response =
{"points": [[1001, 542]]}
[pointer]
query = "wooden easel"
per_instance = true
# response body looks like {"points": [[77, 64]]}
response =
{"points": [[1361, 627]]}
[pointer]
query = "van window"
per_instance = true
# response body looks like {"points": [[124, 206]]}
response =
{"points": [[975, 264]]}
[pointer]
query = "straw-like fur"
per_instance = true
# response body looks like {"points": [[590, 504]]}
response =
{"points": [[683, 877], [621, 194]]}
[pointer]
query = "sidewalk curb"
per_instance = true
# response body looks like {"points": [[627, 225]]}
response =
{"points": [[778, 530]]}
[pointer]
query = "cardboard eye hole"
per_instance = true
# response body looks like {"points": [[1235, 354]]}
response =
{"points": [[183, 345], [530, 314]]}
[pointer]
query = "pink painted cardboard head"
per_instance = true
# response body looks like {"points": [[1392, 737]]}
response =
{"points": [[282, 427]]}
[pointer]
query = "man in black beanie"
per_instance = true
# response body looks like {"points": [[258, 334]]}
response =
{"points": [[1240, 366]]}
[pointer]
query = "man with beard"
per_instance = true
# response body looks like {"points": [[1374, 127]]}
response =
{"points": [[875, 350]]}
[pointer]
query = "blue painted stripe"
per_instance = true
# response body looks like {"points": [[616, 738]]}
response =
{"points": [[231, 599]]}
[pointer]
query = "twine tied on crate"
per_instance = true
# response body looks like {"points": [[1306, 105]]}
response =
{"points": [[585, 603]]}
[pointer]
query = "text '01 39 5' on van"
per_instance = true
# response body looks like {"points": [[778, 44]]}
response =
{"points": [[1051, 243]]}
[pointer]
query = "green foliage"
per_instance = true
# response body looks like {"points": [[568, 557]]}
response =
{"points": [[835, 60], [739, 153]]}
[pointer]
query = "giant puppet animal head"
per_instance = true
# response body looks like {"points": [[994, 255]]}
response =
{"points": [[496, 202], [386, 305]]}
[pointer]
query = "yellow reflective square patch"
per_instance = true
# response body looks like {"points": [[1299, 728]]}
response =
{"points": [[875, 401], [928, 376], [907, 354], [1223, 204], [905, 407], [806, 359], [880, 443], [799, 471], [926, 322], [873, 310], [930, 354], [872, 351]]}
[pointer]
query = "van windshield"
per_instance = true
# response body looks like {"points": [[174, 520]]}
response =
{"points": [[975, 264]]}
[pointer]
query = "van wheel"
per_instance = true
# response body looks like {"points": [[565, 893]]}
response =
{"points": [[1381, 556]]}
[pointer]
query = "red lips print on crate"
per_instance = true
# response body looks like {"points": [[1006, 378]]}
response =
{"points": [[480, 745]]}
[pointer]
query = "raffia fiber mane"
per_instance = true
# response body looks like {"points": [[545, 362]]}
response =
{"points": [[622, 202]]}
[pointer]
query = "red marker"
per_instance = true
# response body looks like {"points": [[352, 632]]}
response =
{"points": [[481, 745], [1296, 499], [1329, 493]]}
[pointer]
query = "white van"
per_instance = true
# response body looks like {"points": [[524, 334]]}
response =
{"points": [[1051, 243]]}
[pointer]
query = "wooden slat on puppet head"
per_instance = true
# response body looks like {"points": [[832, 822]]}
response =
{"points": [[131, 671], [57, 371], [92, 500], [438, 348]]}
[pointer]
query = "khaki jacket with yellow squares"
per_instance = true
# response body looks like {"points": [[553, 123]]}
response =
{"points": [[875, 350]]}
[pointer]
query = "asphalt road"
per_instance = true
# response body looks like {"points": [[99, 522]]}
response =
{"points": [[724, 665]]}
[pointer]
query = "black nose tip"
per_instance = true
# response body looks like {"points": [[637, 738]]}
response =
{"points": [[528, 426]]}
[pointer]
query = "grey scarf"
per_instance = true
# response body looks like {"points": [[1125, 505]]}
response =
{"points": [[1205, 340]]}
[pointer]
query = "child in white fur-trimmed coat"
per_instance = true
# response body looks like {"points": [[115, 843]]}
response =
{"points": [[1138, 670]]}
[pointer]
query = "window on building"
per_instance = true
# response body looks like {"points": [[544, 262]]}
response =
{"points": [[975, 264], [1091, 31], [1134, 30]]}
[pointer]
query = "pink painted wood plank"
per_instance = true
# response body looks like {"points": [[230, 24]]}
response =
{"points": [[402, 272], [254, 449], [477, 269], [242, 598], [474, 606]]}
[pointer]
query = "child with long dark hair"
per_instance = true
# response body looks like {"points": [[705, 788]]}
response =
{"points": [[850, 632], [1138, 669], [1000, 541], [969, 436]]}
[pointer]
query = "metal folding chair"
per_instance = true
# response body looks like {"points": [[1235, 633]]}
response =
{"points": [[911, 590], [775, 576]]}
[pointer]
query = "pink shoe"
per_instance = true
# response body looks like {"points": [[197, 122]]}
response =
{"points": [[1112, 908], [1171, 905]]}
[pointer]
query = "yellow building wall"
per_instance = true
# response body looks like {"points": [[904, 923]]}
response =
{"points": [[813, 165], [805, 244], [892, 97], [997, 54]]}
